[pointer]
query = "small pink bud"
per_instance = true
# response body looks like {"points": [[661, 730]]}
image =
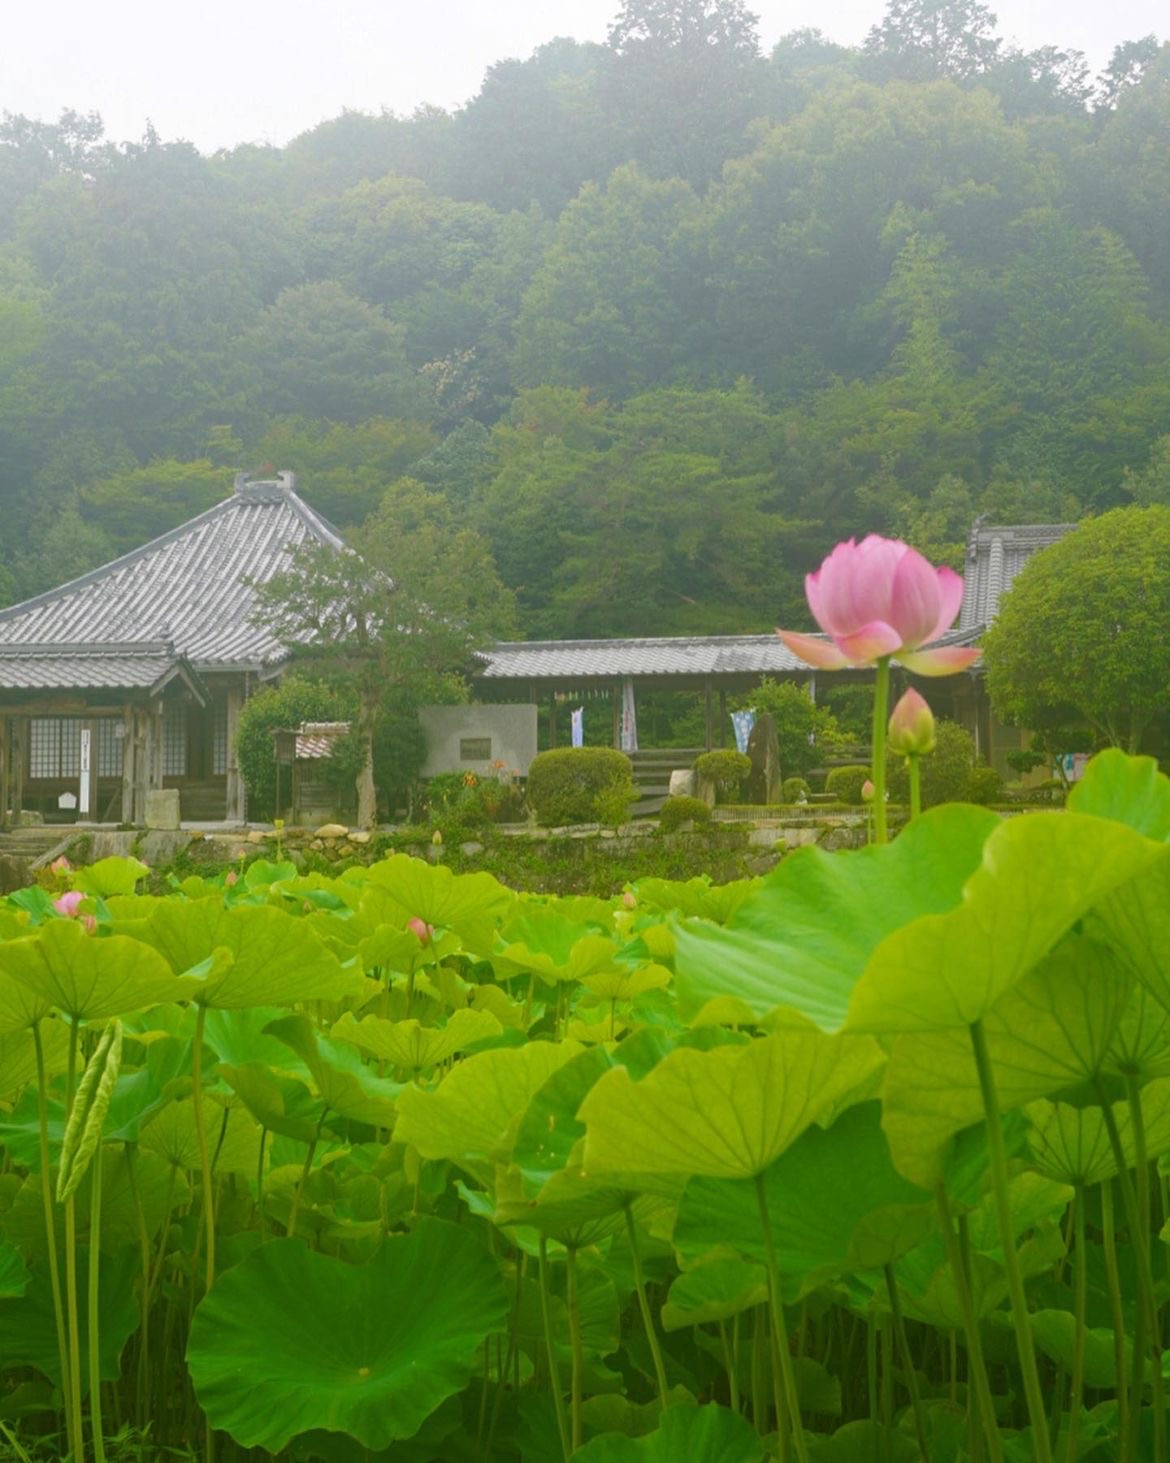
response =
{"points": [[867, 791], [68, 903], [60, 866], [90, 923], [630, 899], [424, 931], [231, 877], [911, 729]]}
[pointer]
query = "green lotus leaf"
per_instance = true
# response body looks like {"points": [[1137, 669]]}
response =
{"points": [[238, 1035], [1127, 790], [401, 888], [539, 940], [570, 1208], [21, 1006], [263, 872], [1055, 1333], [14, 1276], [834, 1189], [1071, 1144], [271, 964], [1136, 919], [281, 1104], [726, 1113], [232, 1135], [290, 1340], [697, 898], [89, 977], [344, 1084], [28, 1330], [549, 1131], [110, 876], [721, 1285], [709, 1434], [804, 937], [18, 1056], [412, 1045], [1039, 876], [472, 1116], [864, 1440], [1052, 1031], [624, 984]]}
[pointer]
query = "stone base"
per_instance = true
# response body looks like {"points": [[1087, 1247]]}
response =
{"points": [[162, 808]]}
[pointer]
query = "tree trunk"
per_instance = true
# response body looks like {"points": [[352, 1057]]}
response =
{"points": [[367, 793]]}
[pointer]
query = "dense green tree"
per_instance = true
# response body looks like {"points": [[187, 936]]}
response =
{"points": [[1083, 635], [410, 610], [131, 507], [926, 40]]}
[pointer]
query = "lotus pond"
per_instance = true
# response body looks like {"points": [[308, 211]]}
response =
{"points": [[862, 1160]]}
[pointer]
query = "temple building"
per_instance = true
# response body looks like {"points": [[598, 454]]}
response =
{"points": [[132, 677]]}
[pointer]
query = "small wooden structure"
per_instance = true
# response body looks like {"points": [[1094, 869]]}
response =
{"points": [[303, 793]]}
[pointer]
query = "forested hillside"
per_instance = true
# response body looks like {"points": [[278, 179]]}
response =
{"points": [[664, 317]]}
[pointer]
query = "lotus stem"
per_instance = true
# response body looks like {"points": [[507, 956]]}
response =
{"points": [[578, 1372], [550, 1347], [205, 1172], [997, 1154], [981, 1410], [644, 1307], [1080, 1300], [784, 1360], [1117, 1317], [907, 1361], [913, 764], [881, 714], [51, 1236], [93, 1319], [71, 1263]]}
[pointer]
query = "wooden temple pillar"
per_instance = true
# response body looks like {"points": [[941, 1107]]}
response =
{"points": [[141, 758], [710, 729], [13, 787], [235, 808]]}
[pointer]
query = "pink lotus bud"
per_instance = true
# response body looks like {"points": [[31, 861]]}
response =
{"points": [[424, 931], [231, 877], [867, 791], [68, 903], [911, 729], [90, 923], [630, 899], [60, 866], [879, 598]]}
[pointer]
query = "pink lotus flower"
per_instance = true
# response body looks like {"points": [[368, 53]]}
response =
{"points": [[880, 598], [911, 729], [68, 903], [424, 931]]}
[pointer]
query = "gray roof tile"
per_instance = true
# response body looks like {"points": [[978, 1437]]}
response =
{"points": [[683, 655], [995, 555], [185, 588]]}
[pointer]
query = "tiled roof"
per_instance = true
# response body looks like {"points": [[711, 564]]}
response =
{"points": [[684, 655], [995, 555], [315, 738], [185, 589], [51, 668]]}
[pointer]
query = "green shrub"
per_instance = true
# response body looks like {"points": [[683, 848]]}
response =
{"points": [[794, 790], [285, 707], [845, 784], [727, 770], [985, 785], [807, 733], [679, 810], [580, 785]]}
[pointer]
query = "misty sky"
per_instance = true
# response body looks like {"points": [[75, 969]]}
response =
{"points": [[222, 72]]}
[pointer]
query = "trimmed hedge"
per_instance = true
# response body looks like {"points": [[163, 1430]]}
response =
{"points": [[580, 785], [794, 790], [727, 770], [679, 810], [845, 784]]}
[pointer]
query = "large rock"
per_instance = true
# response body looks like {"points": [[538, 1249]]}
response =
{"points": [[764, 750], [682, 782], [162, 807], [332, 830]]}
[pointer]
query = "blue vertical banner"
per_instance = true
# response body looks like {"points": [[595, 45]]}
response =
{"points": [[577, 723], [742, 723]]}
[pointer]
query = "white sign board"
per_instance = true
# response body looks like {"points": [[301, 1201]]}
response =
{"points": [[83, 806]]}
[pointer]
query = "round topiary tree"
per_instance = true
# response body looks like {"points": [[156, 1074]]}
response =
{"points": [[277, 708], [1083, 635]]}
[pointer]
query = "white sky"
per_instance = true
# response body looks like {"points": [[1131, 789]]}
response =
{"points": [[220, 72]]}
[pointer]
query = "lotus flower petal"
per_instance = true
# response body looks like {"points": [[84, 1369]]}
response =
{"points": [[811, 648], [915, 599], [872, 640], [950, 593], [944, 660]]}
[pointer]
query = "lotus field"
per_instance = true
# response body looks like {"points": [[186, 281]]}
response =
{"points": [[859, 1161]]}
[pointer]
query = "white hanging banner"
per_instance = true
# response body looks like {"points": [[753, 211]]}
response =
{"points": [[577, 723], [83, 804], [629, 718]]}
